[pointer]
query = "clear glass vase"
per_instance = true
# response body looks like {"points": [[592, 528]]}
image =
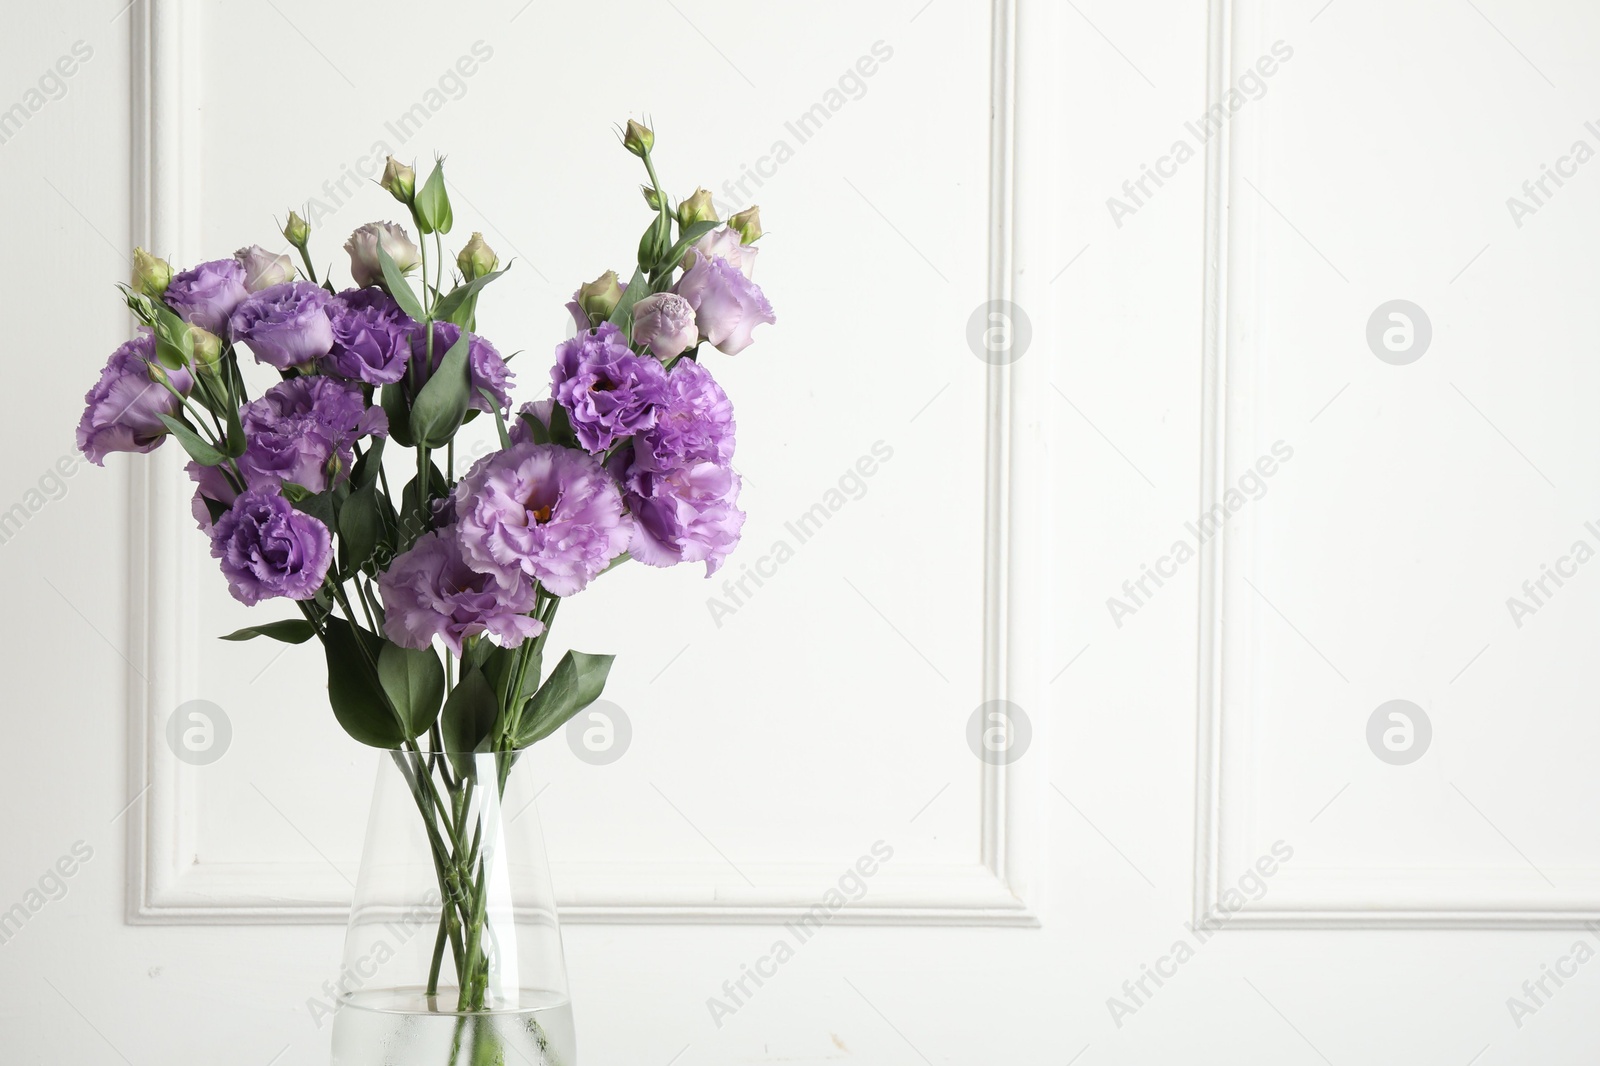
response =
{"points": [[453, 954]]}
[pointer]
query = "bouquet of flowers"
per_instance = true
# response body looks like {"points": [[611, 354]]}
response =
{"points": [[628, 457]]}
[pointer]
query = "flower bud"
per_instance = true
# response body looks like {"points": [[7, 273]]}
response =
{"points": [[697, 208], [399, 179], [150, 274], [651, 197], [207, 348], [262, 269], [365, 265], [600, 297], [747, 224], [476, 259], [296, 231], [656, 242], [665, 323], [638, 139]]}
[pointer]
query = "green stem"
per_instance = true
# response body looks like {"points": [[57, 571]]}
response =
{"points": [[305, 257], [427, 302]]}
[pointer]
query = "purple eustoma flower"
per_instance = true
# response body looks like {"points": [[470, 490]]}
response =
{"points": [[543, 512], [607, 391], [431, 592], [269, 549], [208, 294], [371, 337], [286, 325], [211, 483], [302, 430], [121, 410], [695, 424], [728, 305], [683, 516], [485, 367]]}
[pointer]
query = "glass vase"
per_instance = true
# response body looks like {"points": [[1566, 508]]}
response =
{"points": [[453, 954]]}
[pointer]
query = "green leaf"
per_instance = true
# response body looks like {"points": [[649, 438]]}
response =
{"points": [[538, 432], [234, 443], [290, 631], [576, 682], [360, 526], [500, 669], [370, 465], [638, 289], [470, 713], [561, 431], [439, 407], [412, 507], [460, 303], [481, 653], [433, 203], [690, 236], [355, 694], [398, 287], [398, 411], [499, 419], [198, 450], [215, 508], [174, 342], [413, 679], [318, 505]]}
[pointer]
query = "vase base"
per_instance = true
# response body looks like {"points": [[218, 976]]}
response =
{"points": [[397, 1028]]}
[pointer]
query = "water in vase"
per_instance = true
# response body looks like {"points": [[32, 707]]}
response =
{"points": [[397, 1028]]}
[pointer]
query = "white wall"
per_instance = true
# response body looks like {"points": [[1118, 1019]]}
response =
{"points": [[1174, 340]]}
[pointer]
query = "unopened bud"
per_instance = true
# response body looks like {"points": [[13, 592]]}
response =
{"points": [[150, 273], [399, 179], [207, 348], [651, 197], [656, 242], [600, 297], [747, 224], [697, 208], [638, 139], [476, 259], [296, 231]]}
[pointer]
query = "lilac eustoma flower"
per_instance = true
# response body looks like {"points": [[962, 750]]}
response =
{"points": [[269, 549], [607, 391], [485, 367], [540, 511], [695, 423], [120, 413], [431, 592], [686, 515], [211, 483], [728, 305], [302, 430], [286, 325], [207, 295], [371, 337]]}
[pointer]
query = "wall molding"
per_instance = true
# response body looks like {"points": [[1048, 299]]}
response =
{"points": [[169, 885], [1300, 897]]}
